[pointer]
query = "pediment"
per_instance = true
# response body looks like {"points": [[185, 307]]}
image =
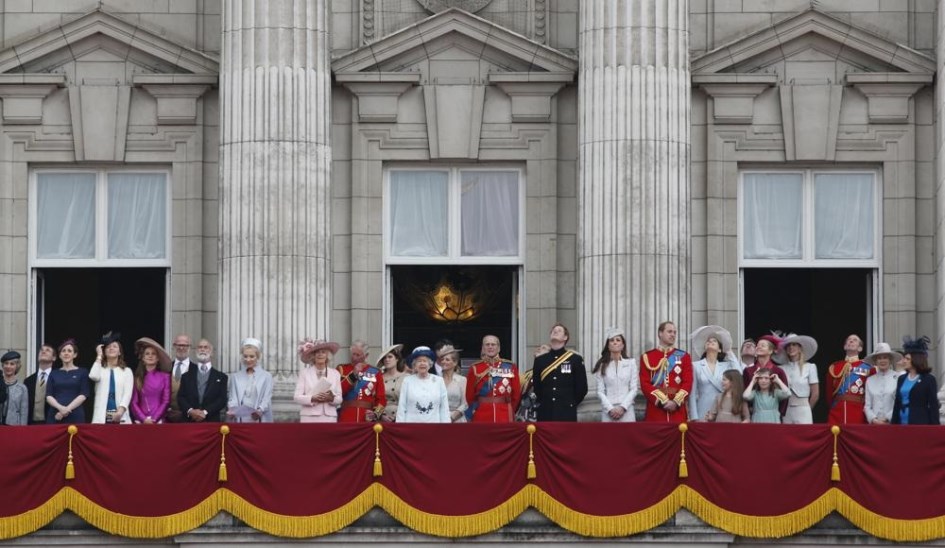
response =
{"points": [[100, 36], [813, 36], [456, 36]]}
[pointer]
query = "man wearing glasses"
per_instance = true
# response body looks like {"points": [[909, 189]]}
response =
{"points": [[182, 345]]}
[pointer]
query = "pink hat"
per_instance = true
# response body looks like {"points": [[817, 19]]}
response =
{"points": [[308, 348]]}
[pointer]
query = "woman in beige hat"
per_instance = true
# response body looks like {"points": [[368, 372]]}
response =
{"points": [[714, 342], [802, 377], [152, 392], [393, 368], [881, 386], [448, 358], [318, 389]]}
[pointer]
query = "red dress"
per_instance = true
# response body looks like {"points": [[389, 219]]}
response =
{"points": [[493, 391], [362, 390], [665, 375], [846, 391]]}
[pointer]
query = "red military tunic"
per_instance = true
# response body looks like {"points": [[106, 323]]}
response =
{"points": [[675, 368], [846, 391], [362, 390], [493, 391]]}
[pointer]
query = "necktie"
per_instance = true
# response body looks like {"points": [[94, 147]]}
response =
{"points": [[203, 368], [177, 370], [42, 379]]}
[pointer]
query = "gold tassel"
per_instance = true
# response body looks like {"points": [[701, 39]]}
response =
{"points": [[835, 468], [378, 468], [70, 467], [531, 472], [221, 475], [683, 467]]}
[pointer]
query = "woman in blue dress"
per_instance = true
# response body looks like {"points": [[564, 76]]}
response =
{"points": [[67, 388]]}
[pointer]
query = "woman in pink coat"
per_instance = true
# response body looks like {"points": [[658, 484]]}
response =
{"points": [[318, 390]]}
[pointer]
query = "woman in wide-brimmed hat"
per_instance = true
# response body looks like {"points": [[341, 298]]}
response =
{"points": [[250, 388], [391, 363], [114, 382], [318, 389], [714, 342], [423, 396], [881, 386], [802, 378], [152, 389]]}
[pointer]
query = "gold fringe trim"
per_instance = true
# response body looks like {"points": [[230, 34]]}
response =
{"points": [[757, 526], [900, 530]]}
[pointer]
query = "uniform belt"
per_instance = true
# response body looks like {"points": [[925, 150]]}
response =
{"points": [[854, 399], [356, 403], [670, 390], [489, 399]]}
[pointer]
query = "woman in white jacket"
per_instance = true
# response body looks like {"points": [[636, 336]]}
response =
{"points": [[114, 382], [618, 379]]}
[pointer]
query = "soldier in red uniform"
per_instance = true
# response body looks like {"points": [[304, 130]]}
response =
{"points": [[846, 385], [362, 388], [493, 389], [666, 378]]}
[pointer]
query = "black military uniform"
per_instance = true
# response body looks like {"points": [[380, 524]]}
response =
{"points": [[560, 383]]}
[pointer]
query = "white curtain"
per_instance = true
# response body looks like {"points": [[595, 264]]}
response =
{"points": [[844, 223], [65, 216], [490, 214], [137, 215], [418, 213], [772, 209]]}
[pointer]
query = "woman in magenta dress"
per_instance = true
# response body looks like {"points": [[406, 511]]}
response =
{"points": [[152, 392]]}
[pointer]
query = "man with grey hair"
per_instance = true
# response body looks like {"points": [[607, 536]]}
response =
{"points": [[203, 389], [362, 387]]}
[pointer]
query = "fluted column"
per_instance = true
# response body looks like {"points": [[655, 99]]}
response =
{"points": [[274, 189], [634, 101]]}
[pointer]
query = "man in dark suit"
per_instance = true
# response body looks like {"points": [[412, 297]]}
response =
{"points": [[202, 396], [37, 398], [559, 379]]}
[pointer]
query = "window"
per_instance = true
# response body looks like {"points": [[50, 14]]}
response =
{"points": [[809, 217], [100, 218], [467, 215]]}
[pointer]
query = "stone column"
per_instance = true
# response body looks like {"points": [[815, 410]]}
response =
{"points": [[274, 186], [633, 204]]}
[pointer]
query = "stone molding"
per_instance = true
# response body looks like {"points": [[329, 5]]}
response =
{"points": [[531, 92], [733, 95], [23, 95], [378, 92], [888, 94], [176, 103], [813, 21], [67, 36]]}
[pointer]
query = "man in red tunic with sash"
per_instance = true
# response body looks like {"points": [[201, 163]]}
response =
{"points": [[846, 385], [493, 388], [362, 388], [666, 378]]}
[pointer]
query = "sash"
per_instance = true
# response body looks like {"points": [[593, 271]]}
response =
{"points": [[484, 390], [848, 380], [556, 364], [352, 394], [660, 374]]}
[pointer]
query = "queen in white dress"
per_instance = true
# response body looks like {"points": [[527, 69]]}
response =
{"points": [[423, 396]]}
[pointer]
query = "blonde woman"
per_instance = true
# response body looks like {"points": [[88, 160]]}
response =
{"points": [[318, 389], [455, 383], [250, 388]]}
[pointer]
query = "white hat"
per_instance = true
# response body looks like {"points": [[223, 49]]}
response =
{"points": [[612, 332], [881, 349], [808, 345], [699, 337]]}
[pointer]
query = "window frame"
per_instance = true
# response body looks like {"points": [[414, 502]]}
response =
{"points": [[454, 254], [101, 259], [808, 220]]}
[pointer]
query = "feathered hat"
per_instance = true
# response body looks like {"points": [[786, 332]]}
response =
{"points": [[915, 346]]}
